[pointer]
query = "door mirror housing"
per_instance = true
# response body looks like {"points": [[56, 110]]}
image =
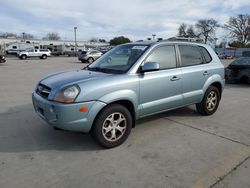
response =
{"points": [[150, 66]]}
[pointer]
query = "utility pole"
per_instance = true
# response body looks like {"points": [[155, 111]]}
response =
{"points": [[23, 35], [75, 41], [153, 35]]}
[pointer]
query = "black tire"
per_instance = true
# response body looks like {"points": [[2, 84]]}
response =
{"points": [[100, 130], [44, 56], [210, 102], [82, 61], [23, 57], [90, 60]]}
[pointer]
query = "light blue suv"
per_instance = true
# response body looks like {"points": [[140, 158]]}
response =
{"points": [[130, 82]]}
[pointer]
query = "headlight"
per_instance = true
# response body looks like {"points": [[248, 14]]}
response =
{"points": [[67, 95]]}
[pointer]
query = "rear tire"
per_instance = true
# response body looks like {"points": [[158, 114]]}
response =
{"points": [[112, 126], [210, 102]]}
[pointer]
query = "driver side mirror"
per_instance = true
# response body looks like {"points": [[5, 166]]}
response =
{"points": [[150, 66]]}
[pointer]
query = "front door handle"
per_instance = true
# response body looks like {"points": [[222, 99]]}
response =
{"points": [[175, 78], [205, 73]]}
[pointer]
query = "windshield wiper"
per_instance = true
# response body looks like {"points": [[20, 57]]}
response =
{"points": [[93, 68], [104, 70]]}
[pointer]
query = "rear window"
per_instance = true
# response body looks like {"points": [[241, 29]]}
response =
{"points": [[206, 54], [190, 55]]}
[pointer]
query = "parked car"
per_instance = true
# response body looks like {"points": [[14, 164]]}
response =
{"points": [[221, 55], [238, 71], [41, 53], [2, 59], [109, 95], [89, 56]]}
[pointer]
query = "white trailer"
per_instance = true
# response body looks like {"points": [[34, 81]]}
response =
{"points": [[15, 47]]}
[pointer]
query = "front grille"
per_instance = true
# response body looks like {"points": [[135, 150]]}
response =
{"points": [[43, 91]]}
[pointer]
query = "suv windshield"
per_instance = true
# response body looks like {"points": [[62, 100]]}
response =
{"points": [[118, 60]]}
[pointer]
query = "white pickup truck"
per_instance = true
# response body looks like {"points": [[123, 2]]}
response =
{"points": [[41, 53]]}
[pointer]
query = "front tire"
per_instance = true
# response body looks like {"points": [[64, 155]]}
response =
{"points": [[44, 56], [90, 60], [23, 57], [210, 102], [112, 126]]}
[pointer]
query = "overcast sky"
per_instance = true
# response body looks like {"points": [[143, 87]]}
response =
{"points": [[136, 19]]}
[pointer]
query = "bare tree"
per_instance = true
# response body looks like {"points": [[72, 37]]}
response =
{"points": [[206, 29], [26, 36], [239, 28], [182, 30], [7, 35], [186, 31], [93, 39], [191, 32], [52, 36]]}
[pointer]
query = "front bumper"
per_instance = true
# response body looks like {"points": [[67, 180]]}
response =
{"points": [[67, 116]]}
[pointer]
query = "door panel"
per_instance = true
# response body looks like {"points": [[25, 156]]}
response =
{"points": [[194, 73], [193, 82], [160, 90]]}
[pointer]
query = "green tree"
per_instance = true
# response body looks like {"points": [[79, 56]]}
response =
{"points": [[119, 40]]}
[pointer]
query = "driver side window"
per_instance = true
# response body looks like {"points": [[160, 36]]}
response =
{"points": [[165, 56]]}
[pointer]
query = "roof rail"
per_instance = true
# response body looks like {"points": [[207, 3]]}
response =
{"points": [[184, 39]]}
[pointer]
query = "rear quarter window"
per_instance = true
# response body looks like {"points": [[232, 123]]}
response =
{"points": [[206, 54], [190, 55]]}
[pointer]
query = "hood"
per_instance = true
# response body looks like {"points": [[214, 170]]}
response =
{"points": [[62, 79]]}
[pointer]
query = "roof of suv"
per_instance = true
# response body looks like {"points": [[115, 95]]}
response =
{"points": [[151, 43]]}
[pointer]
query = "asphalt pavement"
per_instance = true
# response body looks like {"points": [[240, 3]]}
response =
{"points": [[177, 148]]}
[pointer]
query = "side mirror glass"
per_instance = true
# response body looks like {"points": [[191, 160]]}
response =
{"points": [[150, 66]]}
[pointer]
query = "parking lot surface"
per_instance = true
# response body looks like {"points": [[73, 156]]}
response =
{"points": [[178, 148]]}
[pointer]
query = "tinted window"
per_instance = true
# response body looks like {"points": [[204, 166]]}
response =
{"points": [[165, 56], [206, 55], [190, 55], [14, 47]]}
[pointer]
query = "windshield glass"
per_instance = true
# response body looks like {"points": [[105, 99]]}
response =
{"points": [[118, 60], [241, 61]]}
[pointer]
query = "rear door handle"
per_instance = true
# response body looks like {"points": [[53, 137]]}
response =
{"points": [[206, 73], [175, 78]]}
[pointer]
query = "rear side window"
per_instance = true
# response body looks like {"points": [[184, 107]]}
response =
{"points": [[165, 56], [190, 55], [206, 54]]}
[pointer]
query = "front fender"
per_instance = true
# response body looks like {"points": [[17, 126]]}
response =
{"points": [[128, 95]]}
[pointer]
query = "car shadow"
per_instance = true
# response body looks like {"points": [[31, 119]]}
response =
{"points": [[188, 111], [23, 131]]}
